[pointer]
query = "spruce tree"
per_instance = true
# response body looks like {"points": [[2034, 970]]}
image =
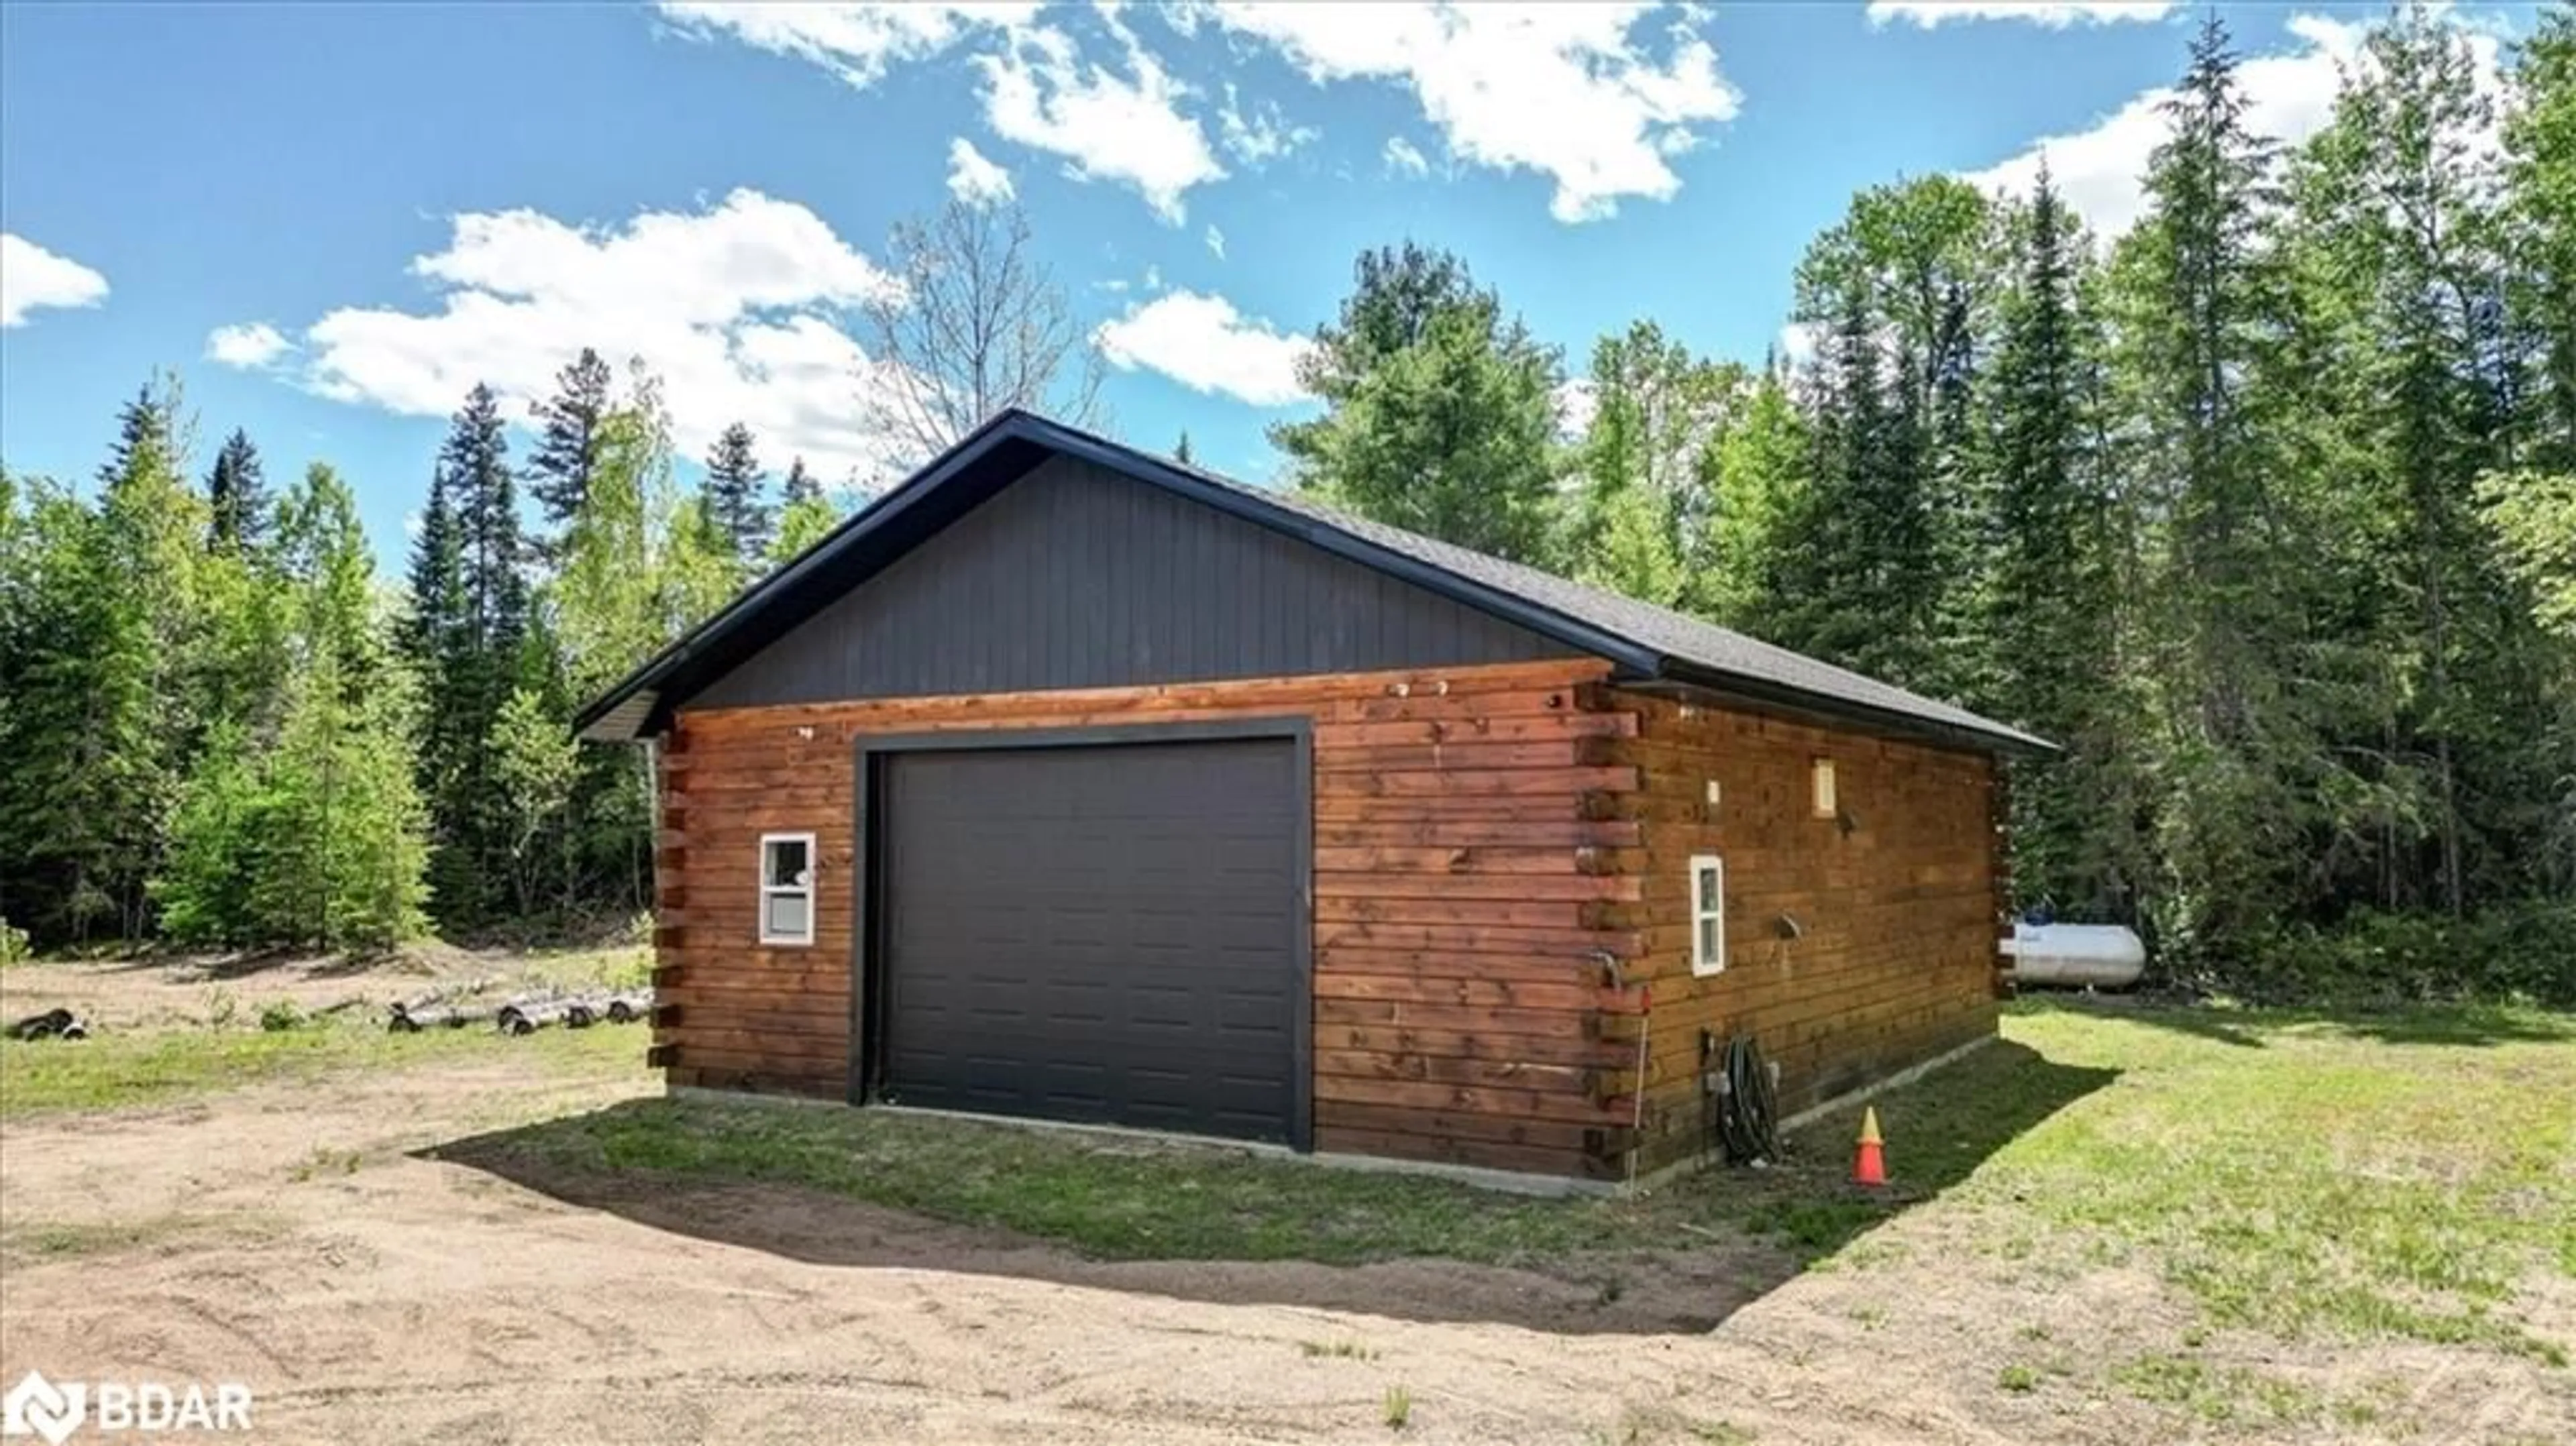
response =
{"points": [[566, 455], [800, 485], [2236, 754], [467, 633], [484, 493], [238, 497], [732, 498], [804, 518], [1859, 573], [2042, 648]]}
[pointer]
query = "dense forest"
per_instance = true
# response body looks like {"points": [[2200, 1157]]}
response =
{"points": [[2265, 509]]}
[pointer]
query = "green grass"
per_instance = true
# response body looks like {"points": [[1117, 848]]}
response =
{"points": [[2220, 1395], [2365, 1178], [116, 1069], [2369, 1178]]}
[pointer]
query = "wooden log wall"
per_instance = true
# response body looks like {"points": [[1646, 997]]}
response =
{"points": [[1897, 898], [1474, 865]]}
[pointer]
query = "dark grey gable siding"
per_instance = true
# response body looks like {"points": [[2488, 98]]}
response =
{"points": [[1076, 577]]}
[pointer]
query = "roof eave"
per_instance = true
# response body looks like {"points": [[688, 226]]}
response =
{"points": [[1998, 739]]}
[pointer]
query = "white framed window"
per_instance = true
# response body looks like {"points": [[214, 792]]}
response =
{"points": [[787, 888], [1821, 772], [1708, 914]]}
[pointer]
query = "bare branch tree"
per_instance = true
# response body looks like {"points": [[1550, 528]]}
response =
{"points": [[980, 325]]}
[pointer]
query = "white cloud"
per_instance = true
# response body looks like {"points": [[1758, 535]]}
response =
{"points": [[733, 306], [31, 276], [859, 43], [1216, 241], [1403, 159], [1121, 125], [1205, 345], [1259, 136], [2055, 14], [249, 345], [1042, 93], [2289, 96], [1562, 90], [974, 179]]}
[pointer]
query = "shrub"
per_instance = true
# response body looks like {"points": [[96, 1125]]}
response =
{"points": [[281, 1016], [2523, 952], [14, 948]]}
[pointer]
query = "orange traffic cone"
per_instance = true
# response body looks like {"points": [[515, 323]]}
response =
{"points": [[1869, 1166]]}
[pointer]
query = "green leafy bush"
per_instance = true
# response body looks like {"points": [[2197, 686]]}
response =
{"points": [[281, 1016], [2525, 952], [14, 948]]}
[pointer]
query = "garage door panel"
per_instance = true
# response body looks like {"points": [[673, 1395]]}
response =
{"points": [[1098, 933]]}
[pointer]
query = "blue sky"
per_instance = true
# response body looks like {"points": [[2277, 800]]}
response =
{"points": [[332, 219]]}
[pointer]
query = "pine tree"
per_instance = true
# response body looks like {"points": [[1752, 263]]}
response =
{"points": [[566, 455], [804, 518], [1181, 451], [1439, 410], [237, 496], [732, 498]]}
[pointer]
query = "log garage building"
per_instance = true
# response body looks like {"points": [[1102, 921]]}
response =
{"points": [[1069, 782]]}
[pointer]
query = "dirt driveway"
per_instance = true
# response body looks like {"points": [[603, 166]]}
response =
{"points": [[315, 1243]]}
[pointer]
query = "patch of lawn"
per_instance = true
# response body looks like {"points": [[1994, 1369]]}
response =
{"points": [[1111, 1199], [2378, 1177], [2391, 1177], [120, 1069], [2218, 1395]]}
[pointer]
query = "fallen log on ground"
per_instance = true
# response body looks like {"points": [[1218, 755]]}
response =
{"points": [[413, 1021], [518, 1017], [44, 1026]]}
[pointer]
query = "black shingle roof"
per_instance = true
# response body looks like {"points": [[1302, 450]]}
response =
{"points": [[1647, 642]]}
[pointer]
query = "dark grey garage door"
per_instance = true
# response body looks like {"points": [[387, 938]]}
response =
{"points": [[1104, 933]]}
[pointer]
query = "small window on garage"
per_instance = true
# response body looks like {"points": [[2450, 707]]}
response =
{"points": [[1821, 773], [1708, 914], [787, 888]]}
